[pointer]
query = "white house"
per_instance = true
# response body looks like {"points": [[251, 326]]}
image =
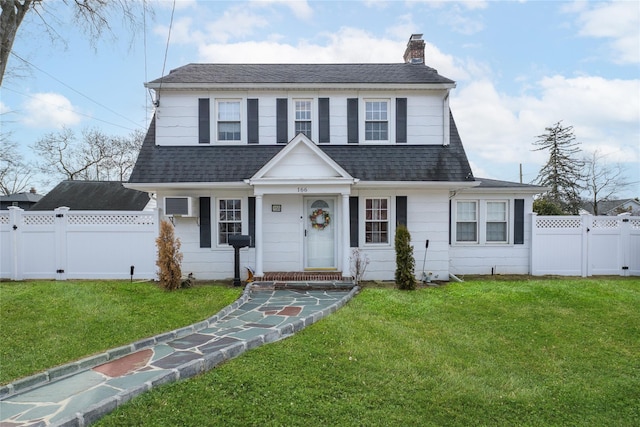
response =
{"points": [[314, 160]]}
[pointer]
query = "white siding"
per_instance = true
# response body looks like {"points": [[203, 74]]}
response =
{"points": [[282, 233], [177, 115], [496, 258]]}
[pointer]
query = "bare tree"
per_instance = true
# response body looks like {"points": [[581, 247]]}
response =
{"points": [[15, 173], [562, 172], [93, 16], [96, 156], [602, 180]]}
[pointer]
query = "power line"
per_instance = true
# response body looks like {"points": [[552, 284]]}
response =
{"points": [[70, 110], [76, 91], [166, 50]]}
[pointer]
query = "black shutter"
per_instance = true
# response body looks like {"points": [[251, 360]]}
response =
{"points": [[281, 121], [323, 120], [204, 122], [401, 210], [401, 119], [352, 120], [353, 222], [252, 221], [450, 203], [518, 221], [252, 121], [205, 222]]}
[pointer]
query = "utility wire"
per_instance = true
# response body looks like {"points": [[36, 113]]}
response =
{"points": [[68, 109], [166, 51], [76, 91]]}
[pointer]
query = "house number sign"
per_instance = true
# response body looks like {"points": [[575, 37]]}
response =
{"points": [[302, 189]]}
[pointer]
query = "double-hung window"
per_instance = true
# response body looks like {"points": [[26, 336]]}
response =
{"points": [[228, 120], [496, 221], [376, 223], [303, 117], [466, 221], [376, 126], [229, 219]]}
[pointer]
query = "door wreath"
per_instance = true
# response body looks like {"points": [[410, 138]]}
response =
{"points": [[319, 219]]}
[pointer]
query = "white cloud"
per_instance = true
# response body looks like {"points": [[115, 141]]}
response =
{"points": [[617, 21], [4, 108], [49, 110], [300, 8], [500, 129]]}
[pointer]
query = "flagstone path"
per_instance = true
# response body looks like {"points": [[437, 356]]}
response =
{"points": [[80, 393]]}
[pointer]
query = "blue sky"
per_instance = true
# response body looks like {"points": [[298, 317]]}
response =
{"points": [[519, 67]]}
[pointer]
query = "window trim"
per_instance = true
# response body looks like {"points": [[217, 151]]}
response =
{"points": [[505, 221], [390, 121], [388, 221], [241, 120], [219, 221], [481, 222], [311, 110], [476, 221]]}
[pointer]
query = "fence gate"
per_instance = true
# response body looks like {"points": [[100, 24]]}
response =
{"points": [[585, 245], [65, 244]]}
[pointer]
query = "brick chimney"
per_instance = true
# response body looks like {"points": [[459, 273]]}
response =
{"points": [[414, 54]]}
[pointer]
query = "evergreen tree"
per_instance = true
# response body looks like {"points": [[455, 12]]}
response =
{"points": [[562, 172], [405, 263]]}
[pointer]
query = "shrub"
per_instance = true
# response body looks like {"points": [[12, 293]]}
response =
{"points": [[169, 258], [405, 263], [359, 263], [544, 206]]}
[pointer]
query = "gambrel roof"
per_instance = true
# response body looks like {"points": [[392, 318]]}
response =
{"points": [[206, 74], [236, 163]]}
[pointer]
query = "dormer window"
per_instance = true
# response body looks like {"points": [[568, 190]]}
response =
{"points": [[376, 120], [303, 117], [228, 120]]}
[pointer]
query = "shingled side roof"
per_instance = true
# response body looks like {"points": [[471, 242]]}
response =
{"points": [[303, 74], [222, 163], [93, 196]]}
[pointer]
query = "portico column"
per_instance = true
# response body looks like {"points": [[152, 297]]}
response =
{"points": [[258, 237], [346, 236]]}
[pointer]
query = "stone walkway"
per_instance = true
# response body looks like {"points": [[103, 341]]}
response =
{"points": [[80, 393]]}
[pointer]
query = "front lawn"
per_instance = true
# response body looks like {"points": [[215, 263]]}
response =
{"points": [[485, 352], [45, 324]]}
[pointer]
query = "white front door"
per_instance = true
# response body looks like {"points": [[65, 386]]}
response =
{"points": [[320, 232]]}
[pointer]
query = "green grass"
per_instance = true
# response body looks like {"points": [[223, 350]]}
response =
{"points": [[45, 324], [485, 352]]}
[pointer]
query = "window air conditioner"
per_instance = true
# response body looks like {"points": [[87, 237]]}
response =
{"points": [[178, 206]]}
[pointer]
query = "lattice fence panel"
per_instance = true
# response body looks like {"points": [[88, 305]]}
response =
{"points": [[110, 219], [608, 223], [558, 223], [48, 219], [635, 224], [4, 219]]}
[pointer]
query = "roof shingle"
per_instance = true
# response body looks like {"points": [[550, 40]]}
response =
{"points": [[221, 163], [303, 74]]}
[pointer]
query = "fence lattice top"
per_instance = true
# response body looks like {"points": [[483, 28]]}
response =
{"points": [[555, 222]]}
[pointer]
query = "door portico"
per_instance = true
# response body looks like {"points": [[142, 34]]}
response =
{"points": [[306, 175]]}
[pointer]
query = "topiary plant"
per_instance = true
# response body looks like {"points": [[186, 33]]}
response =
{"points": [[169, 258], [405, 263]]}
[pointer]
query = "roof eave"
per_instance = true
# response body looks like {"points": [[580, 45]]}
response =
{"points": [[298, 86]]}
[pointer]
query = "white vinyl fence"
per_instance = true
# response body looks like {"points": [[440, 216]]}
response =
{"points": [[585, 245], [65, 244]]}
